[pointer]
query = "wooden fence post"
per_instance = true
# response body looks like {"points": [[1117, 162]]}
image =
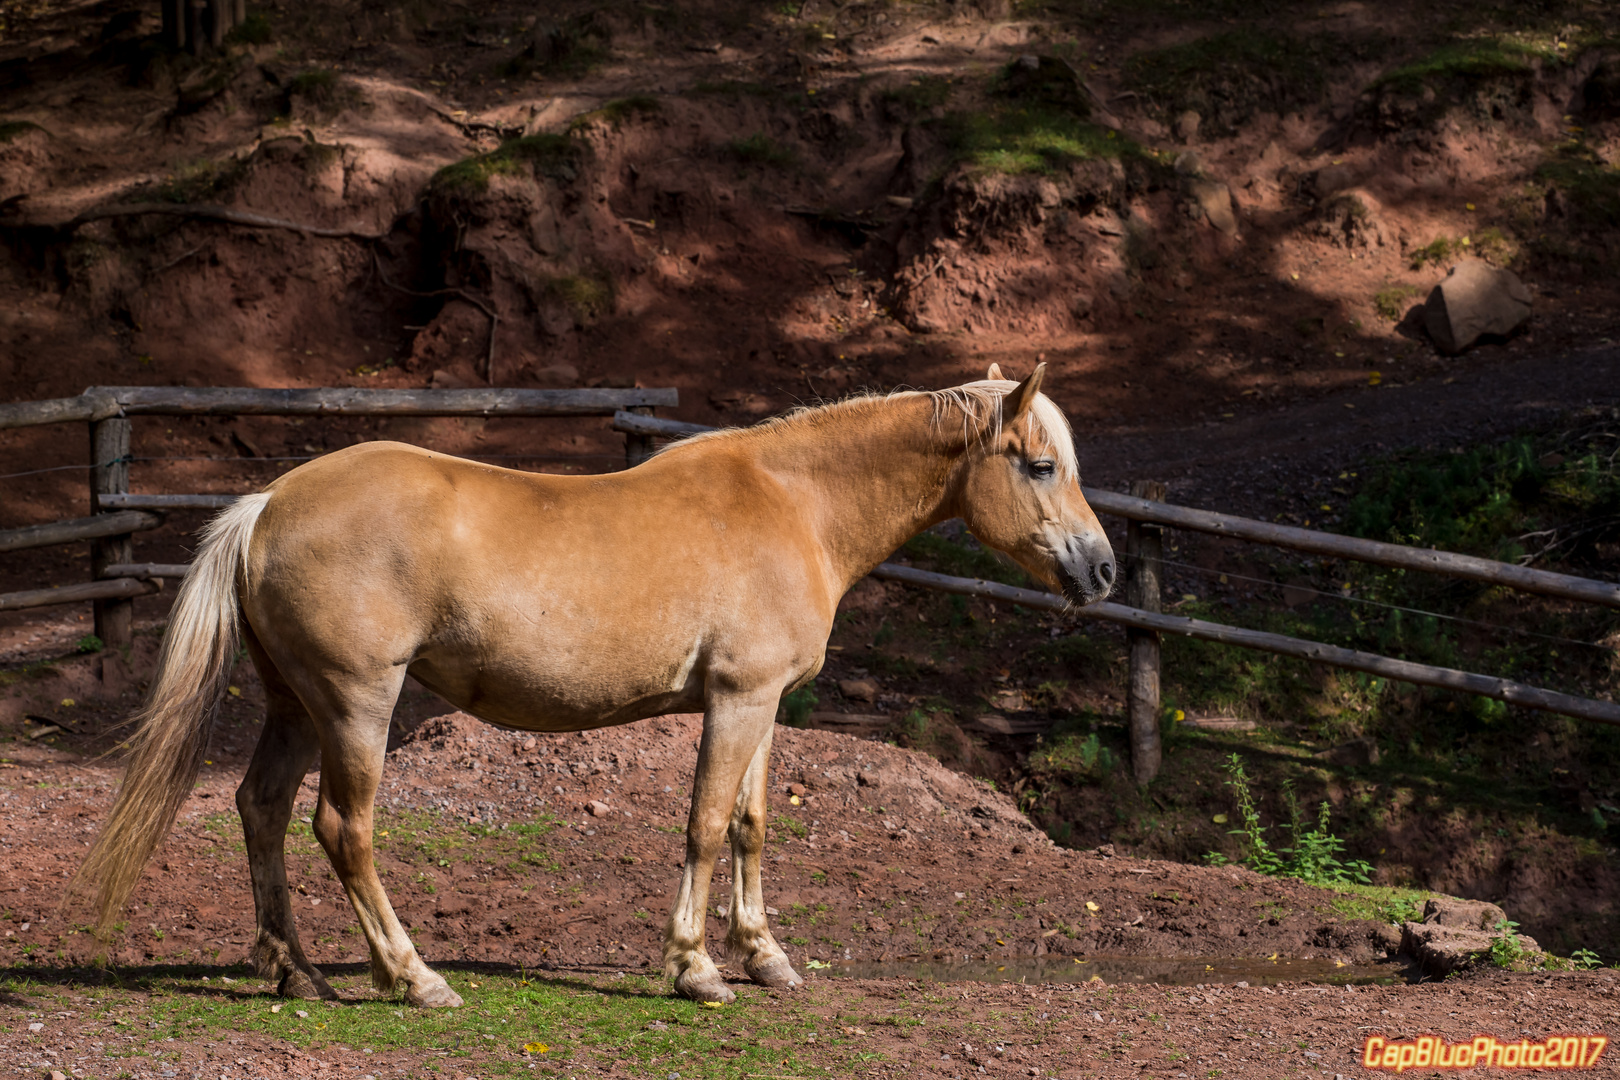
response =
{"points": [[638, 448], [1144, 554], [109, 475]]}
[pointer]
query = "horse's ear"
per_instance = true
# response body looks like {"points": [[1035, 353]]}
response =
{"points": [[1021, 398], [994, 372]]}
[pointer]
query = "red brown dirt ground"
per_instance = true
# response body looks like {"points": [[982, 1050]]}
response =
{"points": [[1225, 352]]}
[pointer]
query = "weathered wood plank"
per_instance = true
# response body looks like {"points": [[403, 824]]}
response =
{"points": [[66, 532], [87, 406], [119, 588], [635, 424], [167, 502], [1541, 582], [145, 570], [1515, 693], [339, 401]]}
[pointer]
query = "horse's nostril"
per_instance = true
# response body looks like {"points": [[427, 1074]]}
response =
{"points": [[1106, 572]]}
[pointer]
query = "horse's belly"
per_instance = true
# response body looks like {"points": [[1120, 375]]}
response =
{"points": [[555, 694]]}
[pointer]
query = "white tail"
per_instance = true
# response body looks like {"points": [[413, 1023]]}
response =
{"points": [[167, 748]]}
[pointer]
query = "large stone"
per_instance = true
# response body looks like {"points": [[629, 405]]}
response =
{"points": [[1440, 950], [1467, 914], [1214, 199], [1475, 301]]}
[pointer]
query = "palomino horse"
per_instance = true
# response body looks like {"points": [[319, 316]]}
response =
{"points": [[705, 578]]}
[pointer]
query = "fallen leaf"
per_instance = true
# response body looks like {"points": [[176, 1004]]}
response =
{"points": [[275, 1008], [68, 703], [234, 691], [536, 1047], [712, 1005], [1219, 819], [1091, 905]]}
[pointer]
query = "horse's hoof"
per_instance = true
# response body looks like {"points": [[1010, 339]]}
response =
{"points": [[775, 972], [437, 996], [310, 985], [710, 988]]}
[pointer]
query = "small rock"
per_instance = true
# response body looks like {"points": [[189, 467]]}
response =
{"points": [[1187, 126], [597, 808], [796, 789], [444, 380], [1363, 751], [58, 1074], [858, 689], [1188, 163], [36, 1026], [301, 1014], [557, 376], [1476, 300], [528, 745], [1215, 200]]}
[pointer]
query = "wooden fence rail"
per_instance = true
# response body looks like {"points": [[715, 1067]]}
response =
{"points": [[119, 514], [102, 402], [1603, 712]]}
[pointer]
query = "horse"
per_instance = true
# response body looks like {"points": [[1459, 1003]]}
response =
{"points": [[705, 578]]}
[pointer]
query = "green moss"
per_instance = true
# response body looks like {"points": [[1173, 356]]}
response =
{"points": [[1032, 140], [202, 180], [920, 95], [11, 129], [1475, 58], [588, 296], [555, 156], [1589, 185], [618, 112], [324, 91], [253, 30], [760, 149]]}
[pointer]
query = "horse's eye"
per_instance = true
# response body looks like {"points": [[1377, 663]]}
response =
{"points": [[1042, 470]]}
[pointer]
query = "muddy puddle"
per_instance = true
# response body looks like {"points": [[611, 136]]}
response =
{"points": [[1180, 971]]}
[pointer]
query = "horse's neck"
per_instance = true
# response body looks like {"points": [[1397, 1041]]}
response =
{"points": [[879, 472]]}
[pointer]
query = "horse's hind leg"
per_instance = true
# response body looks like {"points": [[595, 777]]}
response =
{"points": [[749, 937], [354, 744], [286, 750]]}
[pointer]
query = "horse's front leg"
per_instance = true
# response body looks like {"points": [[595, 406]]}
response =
{"points": [[734, 729], [750, 934]]}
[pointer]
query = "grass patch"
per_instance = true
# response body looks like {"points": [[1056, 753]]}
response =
{"points": [[588, 296], [760, 149], [203, 180], [1383, 903], [1228, 77], [511, 1020], [1018, 140], [1475, 58], [923, 94], [323, 91], [554, 156], [1392, 301], [1589, 185]]}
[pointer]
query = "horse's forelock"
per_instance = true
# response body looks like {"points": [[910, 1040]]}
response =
{"points": [[980, 405]]}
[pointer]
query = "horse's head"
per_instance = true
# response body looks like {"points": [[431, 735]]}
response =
{"points": [[1019, 490]]}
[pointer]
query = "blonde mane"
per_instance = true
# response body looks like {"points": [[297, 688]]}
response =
{"points": [[978, 403]]}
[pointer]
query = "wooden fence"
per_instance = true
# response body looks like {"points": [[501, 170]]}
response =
{"points": [[1146, 514], [116, 514]]}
